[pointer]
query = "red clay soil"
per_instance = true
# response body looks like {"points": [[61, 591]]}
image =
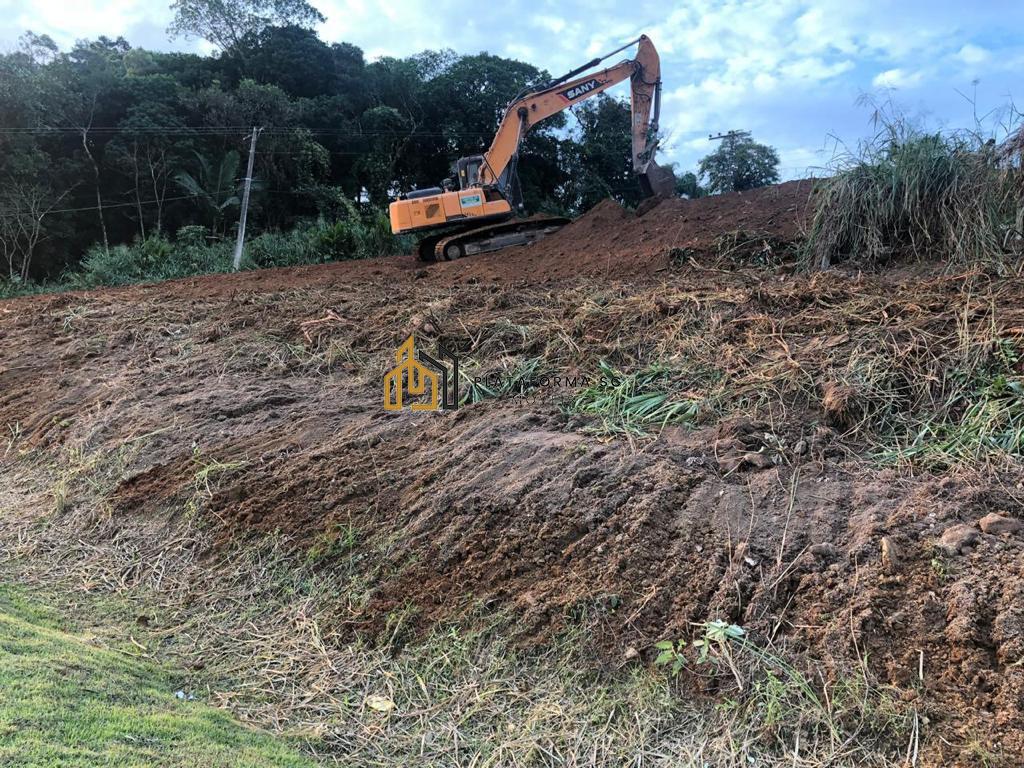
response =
{"points": [[776, 525], [610, 241], [607, 241]]}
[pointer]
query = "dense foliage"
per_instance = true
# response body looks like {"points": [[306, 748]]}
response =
{"points": [[108, 150], [740, 163]]}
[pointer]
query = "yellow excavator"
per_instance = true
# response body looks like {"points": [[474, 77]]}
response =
{"points": [[478, 216]]}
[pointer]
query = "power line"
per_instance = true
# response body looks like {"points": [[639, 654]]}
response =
{"points": [[231, 130], [107, 206]]}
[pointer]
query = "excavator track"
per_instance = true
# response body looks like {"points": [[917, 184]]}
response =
{"points": [[449, 247]]}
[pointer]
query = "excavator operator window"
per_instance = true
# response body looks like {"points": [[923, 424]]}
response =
{"points": [[469, 171]]}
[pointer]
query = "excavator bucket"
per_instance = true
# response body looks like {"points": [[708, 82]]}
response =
{"points": [[656, 181]]}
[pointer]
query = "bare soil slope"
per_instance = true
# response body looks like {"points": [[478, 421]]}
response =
{"points": [[260, 395]]}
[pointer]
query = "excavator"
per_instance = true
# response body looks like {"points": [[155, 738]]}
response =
{"points": [[479, 215]]}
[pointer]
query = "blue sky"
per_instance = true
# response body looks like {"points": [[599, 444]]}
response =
{"points": [[790, 71]]}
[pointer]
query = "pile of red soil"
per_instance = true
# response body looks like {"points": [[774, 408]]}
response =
{"points": [[610, 241], [775, 526], [607, 241]]}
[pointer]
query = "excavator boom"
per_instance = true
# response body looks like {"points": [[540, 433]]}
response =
{"points": [[487, 182], [644, 72]]}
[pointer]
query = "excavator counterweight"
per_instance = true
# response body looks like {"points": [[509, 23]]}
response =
{"points": [[475, 217]]}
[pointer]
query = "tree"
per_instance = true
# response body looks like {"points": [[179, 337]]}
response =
{"points": [[37, 172], [688, 185], [23, 209], [292, 58], [739, 163], [449, 107], [95, 69], [149, 147], [40, 49], [600, 162], [214, 188], [389, 136], [226, 22]]}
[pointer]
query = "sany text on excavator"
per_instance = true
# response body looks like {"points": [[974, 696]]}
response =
{"points": [[478, 216]]}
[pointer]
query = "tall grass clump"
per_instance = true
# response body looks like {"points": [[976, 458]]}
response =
{"points": [[10, 289], [955, 197], [153, 259], [977, 414]]}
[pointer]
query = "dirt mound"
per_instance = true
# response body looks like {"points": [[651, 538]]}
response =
{"points": [[252, 403], [607, 241], [610, 241]]}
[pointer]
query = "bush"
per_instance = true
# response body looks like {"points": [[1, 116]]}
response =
{"points": [[280, 249], [123, 264], [357, 235], [195, 253], [9, 289], [151, 259], [375, 238], [956, 197], [336, 241]]}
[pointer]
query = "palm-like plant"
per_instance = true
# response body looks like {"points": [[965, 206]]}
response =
{"points": [[215, 188]]}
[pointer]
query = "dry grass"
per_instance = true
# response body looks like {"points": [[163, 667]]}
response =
{"points": [[267, 635], [911, 354], [882, 362]]}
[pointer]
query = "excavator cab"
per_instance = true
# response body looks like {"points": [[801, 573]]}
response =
{"points": [[468, 171]]}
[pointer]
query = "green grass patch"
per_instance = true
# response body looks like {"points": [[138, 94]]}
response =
{"points": [[633, 403], [977, 424], [69, 700], [462, 694], [511, 381]]}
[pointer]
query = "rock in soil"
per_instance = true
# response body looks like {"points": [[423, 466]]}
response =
{"points": [[956, 538], [997, 525], [890, 555]]}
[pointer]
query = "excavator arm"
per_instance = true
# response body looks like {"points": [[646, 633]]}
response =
{"points": [[644, 72]]}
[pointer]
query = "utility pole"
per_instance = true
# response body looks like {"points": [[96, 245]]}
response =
{"points": [[730, 137], [240, 243]]}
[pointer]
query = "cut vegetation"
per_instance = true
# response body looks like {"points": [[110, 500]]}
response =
{"points": [[780, 523]]}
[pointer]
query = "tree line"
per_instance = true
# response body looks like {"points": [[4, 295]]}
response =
{"points": [[107, 144]]}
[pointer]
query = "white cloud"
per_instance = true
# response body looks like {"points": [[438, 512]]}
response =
{"points": [[765, 82], [898, 78], [799, 161], [814, 68], [972, 54], [521, 52], [819, 31], [67, 21], [553, 24], [397, 28]]}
